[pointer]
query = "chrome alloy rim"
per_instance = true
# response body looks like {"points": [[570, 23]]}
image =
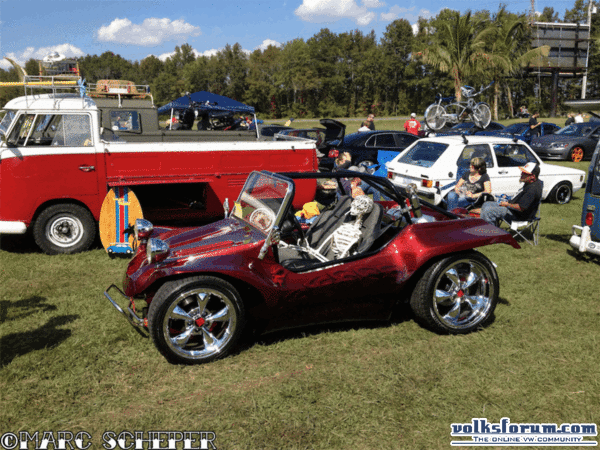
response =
{"points": [[199, 323], [463, 294], [64, 231]]}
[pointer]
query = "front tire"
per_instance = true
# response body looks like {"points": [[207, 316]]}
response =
{"points": [[435, 117], [64, 228], [576, 154], [196, 320], [457, 294], [562, 193]]}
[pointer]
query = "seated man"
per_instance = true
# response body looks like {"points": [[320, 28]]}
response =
{"points": [[524, 205]]}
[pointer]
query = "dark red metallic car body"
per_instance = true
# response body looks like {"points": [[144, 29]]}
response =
{"points": [[369, 285]]}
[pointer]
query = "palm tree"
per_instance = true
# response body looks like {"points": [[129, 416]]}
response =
{"points": [[509, 51], [459, 49]]}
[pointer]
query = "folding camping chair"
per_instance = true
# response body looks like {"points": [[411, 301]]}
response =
{"points": [[520, 227]]}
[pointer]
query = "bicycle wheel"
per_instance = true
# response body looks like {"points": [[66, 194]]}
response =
{"points": [[435, 117], [482, 116]]}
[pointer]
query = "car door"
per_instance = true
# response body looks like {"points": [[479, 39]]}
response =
{"points": [[506, 174]]}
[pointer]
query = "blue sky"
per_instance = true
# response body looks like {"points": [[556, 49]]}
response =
{"points": [[136, 29]]}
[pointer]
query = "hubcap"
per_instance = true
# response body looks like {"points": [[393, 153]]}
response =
{"points": [[463, 294], [64, 231], [199, 323], [577, 155]]}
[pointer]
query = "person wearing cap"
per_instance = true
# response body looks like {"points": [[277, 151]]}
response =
{"points": [[412, 126], [523, 205], [369, 123]]}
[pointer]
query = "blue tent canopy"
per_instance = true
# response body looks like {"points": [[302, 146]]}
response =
{"points": [[206, 101]]}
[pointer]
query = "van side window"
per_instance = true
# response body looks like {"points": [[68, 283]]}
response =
{"points": [[125, 121], [72, 130]]}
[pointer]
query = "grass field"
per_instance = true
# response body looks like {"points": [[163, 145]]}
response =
{"points": [[68, 361]]}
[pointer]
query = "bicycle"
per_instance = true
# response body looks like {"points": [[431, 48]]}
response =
{"points": [[437, 115]]}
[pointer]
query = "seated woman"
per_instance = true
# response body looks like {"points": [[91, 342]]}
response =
{"points": [[471, 186]]}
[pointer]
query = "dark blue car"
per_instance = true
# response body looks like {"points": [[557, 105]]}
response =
{"points": [[469, 128], [521, 131], [373, 147]]}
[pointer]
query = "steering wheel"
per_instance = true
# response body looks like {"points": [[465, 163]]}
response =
{"points": [[296, 225]]}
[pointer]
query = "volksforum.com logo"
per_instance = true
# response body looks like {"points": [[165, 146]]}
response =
{"points": [[484, 433]]}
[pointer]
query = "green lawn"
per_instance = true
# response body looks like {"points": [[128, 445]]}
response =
{"points": [[68, 361]]}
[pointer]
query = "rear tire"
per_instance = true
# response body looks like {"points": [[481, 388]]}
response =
{"points": [[482, 116], [64, 228], [457, 294]]}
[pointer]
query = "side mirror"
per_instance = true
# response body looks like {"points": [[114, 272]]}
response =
{"points": [[226, 207]]}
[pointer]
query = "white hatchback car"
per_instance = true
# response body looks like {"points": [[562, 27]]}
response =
{"points": [[433, 163]]}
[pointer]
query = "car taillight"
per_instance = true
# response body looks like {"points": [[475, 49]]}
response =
{"points": [[427, 183], [589, 218], [334, 153], [390, 175]]}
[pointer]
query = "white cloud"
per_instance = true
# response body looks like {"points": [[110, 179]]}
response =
{"points": [[397, 12], [70, 51], [265, 44], [372, 3], [151, 32], [320, 11]]}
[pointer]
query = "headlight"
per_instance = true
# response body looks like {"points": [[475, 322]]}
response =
{"points": [[142, 229], [156, 250], [559, 144]]}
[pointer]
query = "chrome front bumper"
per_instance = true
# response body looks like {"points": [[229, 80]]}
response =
{"points": [[583, 241], [129, 313]]}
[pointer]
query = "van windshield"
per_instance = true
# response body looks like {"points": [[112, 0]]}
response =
{"points": [[423, 153]]}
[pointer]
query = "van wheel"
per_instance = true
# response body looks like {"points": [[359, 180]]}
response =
{"points": [[64, 228]]}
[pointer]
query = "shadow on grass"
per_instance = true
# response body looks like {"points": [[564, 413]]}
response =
{"points": [[583, 257], [18, 243], [23, 308], [558, 237], [46, 336], [402, 313]]}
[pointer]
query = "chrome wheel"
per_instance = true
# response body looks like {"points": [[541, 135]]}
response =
{"points": [[435, 117], [196, 320], [457, 294], [463, 295], [482, 116]]}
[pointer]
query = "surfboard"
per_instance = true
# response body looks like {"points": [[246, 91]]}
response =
{"points": [[119, 211]]}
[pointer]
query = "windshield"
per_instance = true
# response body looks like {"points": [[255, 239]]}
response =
{"points": [[571, 130], [423, 153], [516, 128], [263, 198], [6, 121]]}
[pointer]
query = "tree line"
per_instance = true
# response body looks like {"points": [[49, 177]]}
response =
{"points": [[352, 74]]}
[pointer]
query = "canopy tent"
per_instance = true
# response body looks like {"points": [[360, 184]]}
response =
{"points": [[206, 101]]}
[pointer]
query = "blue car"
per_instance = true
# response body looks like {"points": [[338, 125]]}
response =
{"points": [[521, 131], [586, 238]]}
